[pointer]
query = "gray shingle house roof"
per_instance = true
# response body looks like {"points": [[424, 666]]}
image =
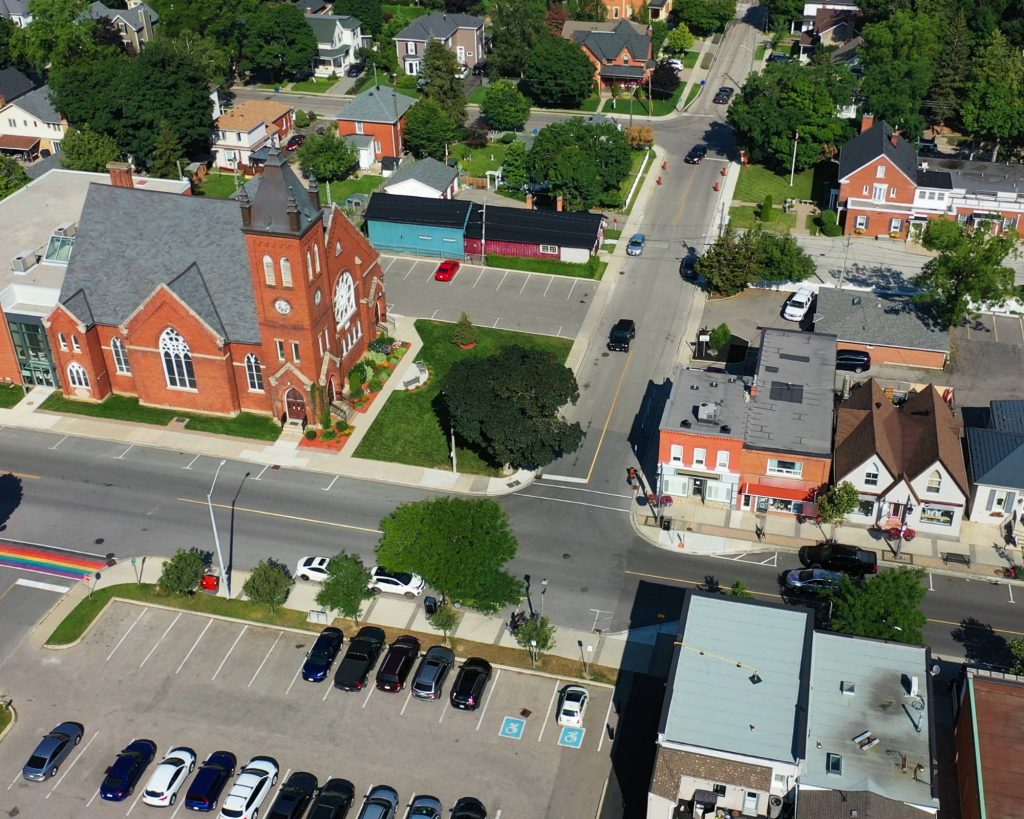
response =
{"points": [[132, 17], [14, 8], [323, 25], [875, 142], [279, 192], [39, 105], [996, 452], [379, 104], [13, 84], [608, 44], [887, 321], [438, 26], [435, 175]]}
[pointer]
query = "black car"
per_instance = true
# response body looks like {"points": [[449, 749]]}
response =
{"points": [[839, 558], [688, 266], [397, 663], [724, 94], [294, 796], [469, 807], [321, 655], [696, 154], [355, 70], [210, 780], [854, 361], [334, 800], [621, 334], [780, 58], [362, 654], [470, 683]]}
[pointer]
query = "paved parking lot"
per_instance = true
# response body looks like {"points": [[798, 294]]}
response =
{"points": [[184, 679], [492, 296]]}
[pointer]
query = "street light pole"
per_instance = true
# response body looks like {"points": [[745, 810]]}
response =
{"points": [[583, 657], [216, 536], [529, 602], [543, 591], [792, 166]]}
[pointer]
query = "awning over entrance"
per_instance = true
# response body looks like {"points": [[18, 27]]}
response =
{"points": [[785, 493], [10, 142]]}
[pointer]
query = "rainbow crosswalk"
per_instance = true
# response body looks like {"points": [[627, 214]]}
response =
{"points": [[47, 561]]}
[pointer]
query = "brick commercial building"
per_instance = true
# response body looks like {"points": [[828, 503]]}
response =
{"points": [[199, 304]]}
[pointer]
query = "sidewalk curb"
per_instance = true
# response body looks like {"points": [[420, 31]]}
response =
{"points": [[13, 722]]}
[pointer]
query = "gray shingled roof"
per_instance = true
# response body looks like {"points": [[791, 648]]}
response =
{"points": [[280, 190], [9, 8], [131, 241], [323, 25], [435, 175], [608, 45], [359, 141], [888, 321], [133, 16], [380, 104], [39, 105], [438, 25], [873, 143], [975, 177], [13, 83]]}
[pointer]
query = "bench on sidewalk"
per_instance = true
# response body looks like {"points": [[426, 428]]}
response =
{"points": [[956, 557], [417, 375]]}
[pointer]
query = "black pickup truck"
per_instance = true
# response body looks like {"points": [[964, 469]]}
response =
{"points": [[362, 654]]}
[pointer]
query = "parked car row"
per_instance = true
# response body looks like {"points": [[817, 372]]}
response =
{"points": [[826, 566], [381, 580]]}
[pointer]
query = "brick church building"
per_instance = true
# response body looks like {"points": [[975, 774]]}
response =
{"points": [[214, 306]]}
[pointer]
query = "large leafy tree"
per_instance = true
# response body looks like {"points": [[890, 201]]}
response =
{"points": [[508, 406], [780, 257], [789, 98], [593, 10], [221, 21], [664, 81], [518, 26], [7, 35], [346, 587], [899, 56], [327, 156], [429, 131], [184, 571], [459, 546], [679, 40], [86, 150], [268, 584], [513, 167], [504, 106], [558, 74], [278, 43], [705, 17], [994, 106], [55, 34], [952, 73], [886, 607], [738, 259], [839, 501], [584, 163], [969, 270], [443, 86], [214, 58], [368, 12]]}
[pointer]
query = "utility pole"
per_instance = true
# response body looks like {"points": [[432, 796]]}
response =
{"points": [[216, 536], [792, 166], [846, 252]]}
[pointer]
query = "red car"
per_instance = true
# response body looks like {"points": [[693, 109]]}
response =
{"points": [[446, 270], [295, 142]]}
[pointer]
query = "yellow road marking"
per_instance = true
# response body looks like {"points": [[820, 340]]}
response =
{"points": [[25, 475], [611, 412], [285, 517]]}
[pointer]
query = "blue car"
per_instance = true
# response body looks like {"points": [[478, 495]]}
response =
{"points": [[127, 770], [213, 775], [321, 655]]}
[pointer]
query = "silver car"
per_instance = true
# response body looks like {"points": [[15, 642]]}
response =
{"points": [[425, 807], [432, 672], [380, 803], [52, 750]]}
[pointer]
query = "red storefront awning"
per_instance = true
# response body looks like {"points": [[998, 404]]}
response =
{"points": [[783, 493]]}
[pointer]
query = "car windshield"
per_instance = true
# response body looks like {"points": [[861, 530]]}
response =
{"points": [[36, 761], [231, 813], [321, 649]]}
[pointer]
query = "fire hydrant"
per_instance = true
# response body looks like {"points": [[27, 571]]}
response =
{"points": [[659, 180]]}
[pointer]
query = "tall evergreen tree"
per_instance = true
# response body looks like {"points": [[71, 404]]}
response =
{"points": [[167, 153], [443, 86], [951, 74]]}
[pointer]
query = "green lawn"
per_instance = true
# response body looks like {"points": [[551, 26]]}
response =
{"points": [[690, 58], [477, 97], [695, 90], [5, 718], [125, 408], [759, 52], [642, 108], [745, 217], [555, 267], [340, 191], [756, 182], [611, 233], [315, 85], [10, 394], [218, 185], [627, 184], [408, 430], [366, 81], [477, 161]]}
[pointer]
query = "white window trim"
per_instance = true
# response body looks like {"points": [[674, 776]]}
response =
{"points": [[120, 355], [280, 349], [75, 344], [700, 456], [62, 341], [861, 222], [798, 472], [551, 250], [295, 352], [78, 376]]}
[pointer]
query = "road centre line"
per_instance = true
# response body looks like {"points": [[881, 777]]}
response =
{"points": [[156, 645], [606, 726], [74, 762], [547, 714], [125, 635], [239, 637], [611, 412], [769, 595], [258, 670], [574, 503], [490, 694], [200, 637], [25, 475], [285, 517]]}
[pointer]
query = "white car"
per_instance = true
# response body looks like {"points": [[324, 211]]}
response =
{"points": [[312, 568], [572, 705], [676, 64], [411, 585], [798, 305], [163, 786], [251, 788]]}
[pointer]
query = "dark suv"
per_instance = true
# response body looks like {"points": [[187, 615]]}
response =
{"points": [[294, 796], [430, 676], [469, 685], [394, 670], [854, 361], [696, 154], [621, 334], [839, 558]]}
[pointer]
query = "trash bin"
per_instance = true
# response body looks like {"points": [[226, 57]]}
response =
{"points": [[666, 524], [430, 606]]}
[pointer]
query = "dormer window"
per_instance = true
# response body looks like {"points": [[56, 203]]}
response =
{"points": [[625, 59]]}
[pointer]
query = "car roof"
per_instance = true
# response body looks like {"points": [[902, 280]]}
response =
{"points": [[637, 237], [315, 561], [371, 633], [440, 651]]}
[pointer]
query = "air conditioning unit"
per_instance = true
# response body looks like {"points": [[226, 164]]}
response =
{"points": [[66, 229], [707, 412], [24, 261]]}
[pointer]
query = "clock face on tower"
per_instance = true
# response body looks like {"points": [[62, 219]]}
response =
{"points": [[282, 307]]}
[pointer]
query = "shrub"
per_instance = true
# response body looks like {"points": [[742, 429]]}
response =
{"points": [[464, 333], [639, 136], [341, 426], [766, 213], [328, 435], [268, 584], [829, 222], [183, 572], [301, 119], [310, 434], [312, 114], [476, 137], [375, 384], [720, 337], [507, 139]]}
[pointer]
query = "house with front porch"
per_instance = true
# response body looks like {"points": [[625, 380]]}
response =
{"points": [[243, 136], [462, 34], [338, 37], [620, 50], [30, 127], [995, 463], [906, 461]]}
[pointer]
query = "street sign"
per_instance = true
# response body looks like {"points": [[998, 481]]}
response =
{"points": [[571, 737], [512, 728]]}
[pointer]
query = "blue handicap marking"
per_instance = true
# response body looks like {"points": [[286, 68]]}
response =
{"points": [[571, 737], [512, 728]]}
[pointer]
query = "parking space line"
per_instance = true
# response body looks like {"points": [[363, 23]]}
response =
{"points": [[137, 798], [328, 691], [547, 714], [239, 637], [550, 280], [200, 637], [93, 798], [434, 315], [393, 260], [482, 269], [125, 635], [995, 330], [280, 784], [444, 710], [156, 645], [74, 762], [569, 296], [17, 776], [496, 289], [265, 468], [496, 321], [405, 704], [369, 693], [287, 691], [177, 808], [192, 462], [604, 729], [333, 481], [494, 685], [121, 456], [521, 289], [258, 670], [61, 441]]}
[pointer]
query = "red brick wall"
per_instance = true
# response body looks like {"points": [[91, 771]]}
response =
{"points": [[89, 356], [878, 220], [688, 441], [9, 369], [386, 134], [754, 469], [966, 767], [898, 355]]}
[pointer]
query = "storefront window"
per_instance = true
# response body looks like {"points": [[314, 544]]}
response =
{"points": [[937, 515], [33, 352]]}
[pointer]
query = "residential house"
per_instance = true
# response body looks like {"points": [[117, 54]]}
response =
{"points": [[30, 127], [14, 84], [247, 305], [619, 50], [989, 729], [906, 461], [314, 6], [135, 23], [380, 113], [338, 38], [891, 329], [462, 34], [626, 9], [244, 136], [831, 27], [426, 178], [811, 9], [16, 11], [764, 716], [995, 461], [451, 228], [884, 190]]}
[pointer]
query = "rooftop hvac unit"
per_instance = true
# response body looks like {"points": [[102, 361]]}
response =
{"points": [[66, 229], [24, 261], [707, 412]]}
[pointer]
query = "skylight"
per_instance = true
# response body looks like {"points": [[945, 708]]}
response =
{"points": [[58, 249]]}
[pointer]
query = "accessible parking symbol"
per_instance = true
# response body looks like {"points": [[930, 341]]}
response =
{"points": [[512, 728], [571, 737]]}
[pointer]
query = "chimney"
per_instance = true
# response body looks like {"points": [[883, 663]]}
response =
{"points": [[314, 192], [120, 174], [529, 201], [867, 122], [293, 215], [246, 204], [558, 203], [894, 139]]}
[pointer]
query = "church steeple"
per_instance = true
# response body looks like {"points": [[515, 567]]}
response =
{"points": [[281, 205]]}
